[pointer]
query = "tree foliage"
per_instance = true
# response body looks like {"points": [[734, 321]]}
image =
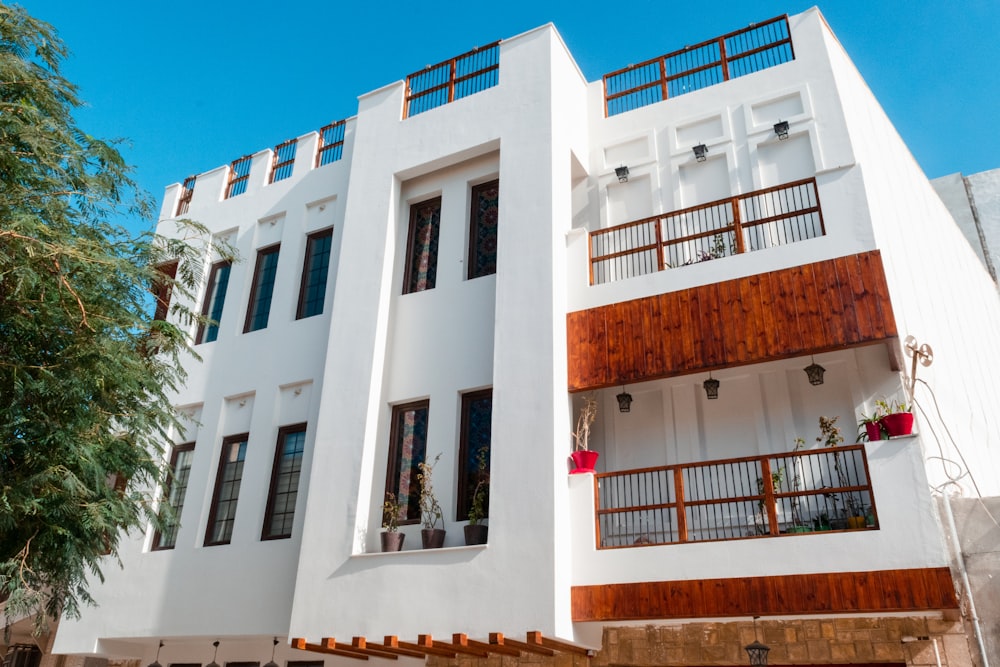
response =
{"points": [[85, 370]]}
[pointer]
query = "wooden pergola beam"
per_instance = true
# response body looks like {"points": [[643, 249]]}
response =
{"points": [[497, 638], [302, 645], [536, 637]]}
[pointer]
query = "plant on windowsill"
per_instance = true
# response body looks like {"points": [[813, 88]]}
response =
{"points": [[898, 419], [431, 536], [583, 458], [476, 531], [392, 539]]}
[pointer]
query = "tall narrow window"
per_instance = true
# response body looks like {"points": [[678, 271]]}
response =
{"points": [[331, 143], [474, 447], [239, 174], [283, 161], [284, 482], [312, 291], [483, 229], [422, 246], [215, 299], [184, 200], [407, 450], [263, 287], [227, 490], [162, 289], [174, 491]]}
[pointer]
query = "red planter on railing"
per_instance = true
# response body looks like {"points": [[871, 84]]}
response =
{"points": [[584, 460], [898, 423]]}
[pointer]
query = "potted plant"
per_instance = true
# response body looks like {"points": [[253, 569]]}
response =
{"points": [[583, 458], [392, 539], [476, 531], [870, 428], [431, 536], [898, 419]]}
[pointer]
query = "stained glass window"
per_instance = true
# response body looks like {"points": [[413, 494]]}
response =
{"points": [[477, 421], [422, 246], [407, 450], [483, 229]]}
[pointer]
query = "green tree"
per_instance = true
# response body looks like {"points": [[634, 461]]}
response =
{"points": [[86, 370]]}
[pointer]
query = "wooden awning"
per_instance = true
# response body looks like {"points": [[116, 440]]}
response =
{"points": [[392, 648]]}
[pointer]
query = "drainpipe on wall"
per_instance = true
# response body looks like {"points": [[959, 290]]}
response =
{"points": [[977, 629], [979, 228]]}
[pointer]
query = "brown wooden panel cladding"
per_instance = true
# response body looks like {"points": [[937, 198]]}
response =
{"points": [[828, 305], [825, 593]]}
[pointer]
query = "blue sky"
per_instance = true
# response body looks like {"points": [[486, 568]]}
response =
{"points": [[195, 85]]}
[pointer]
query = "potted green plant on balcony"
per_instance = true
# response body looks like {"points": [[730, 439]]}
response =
{"points": [[431, 537], [392, 539], [476, 531], [898, 419], [871, 428], [583, 458]]}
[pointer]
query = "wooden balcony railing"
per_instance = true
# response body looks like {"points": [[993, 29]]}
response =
{"points": [[762, 219], [816, 490], [757, 47], [461, 76]]}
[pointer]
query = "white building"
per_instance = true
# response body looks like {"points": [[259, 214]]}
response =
{"points": [[463, 274]]}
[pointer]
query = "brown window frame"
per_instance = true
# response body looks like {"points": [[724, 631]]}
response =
{"points": [[184, 199], [323, 148], [463, 495], [393, 469], [252, 304], [272, 491], [207, 302], [236, 180], [163, 289], [277, 163], [304, 283], [473, 230], [227, 442], [411, 241], [175, 453]]}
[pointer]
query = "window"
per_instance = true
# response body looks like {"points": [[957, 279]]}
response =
{"points": [[483, 229], [184, 200], [477, 419], [312, 292], [263, 287], [331, 143], [283, 161], [163, 288], [422, 246], [215, 299], [284, 482], [407, 449], [239, 174], [173, 495], [227, 490]]}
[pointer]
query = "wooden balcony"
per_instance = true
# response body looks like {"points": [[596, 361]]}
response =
{"points": [[824, 306], [757, 496]]}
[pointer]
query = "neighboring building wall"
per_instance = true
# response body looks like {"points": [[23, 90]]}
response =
{"points": [[974, 203]]}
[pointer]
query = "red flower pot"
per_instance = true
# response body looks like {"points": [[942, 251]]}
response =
{"points": [[584, 460], [874, 431], [898, 423]]}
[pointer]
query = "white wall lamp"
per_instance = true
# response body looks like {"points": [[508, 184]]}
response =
{"points": [[815, 372], [622, 174], [781, 129], [700, 152], [624, 401], [711, 386]]}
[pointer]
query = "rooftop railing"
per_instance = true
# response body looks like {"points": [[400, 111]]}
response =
{"points": [[761, 219], [757, 47], [798, 492], [453, 79]]}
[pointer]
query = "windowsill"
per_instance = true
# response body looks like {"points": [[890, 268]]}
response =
{"points": [[404, 552]]}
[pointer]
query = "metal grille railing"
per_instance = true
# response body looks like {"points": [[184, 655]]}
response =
{"points": [[757, 47], [817, 490], [283, 160], [461, 76], [187, 192], [762, 219], [331, 143]]}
